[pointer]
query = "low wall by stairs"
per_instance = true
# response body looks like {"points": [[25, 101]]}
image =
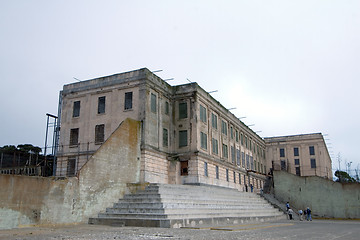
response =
{"points": [[174, 206]]}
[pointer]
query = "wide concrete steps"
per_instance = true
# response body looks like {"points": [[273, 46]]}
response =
{"points": [[163, 205]]}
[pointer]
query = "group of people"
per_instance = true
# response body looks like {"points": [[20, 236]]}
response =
{"points": [[306, 213]]}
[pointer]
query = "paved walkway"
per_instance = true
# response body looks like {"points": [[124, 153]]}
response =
{"points": [[316, 229]]}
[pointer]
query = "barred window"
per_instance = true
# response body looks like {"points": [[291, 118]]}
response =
{"points": [[128, 100], [182, 110], [76, 109], [74, 136], [165, 137], [202, 113], [153, 103], [215, 147], [214, 120], [225, 151], [101, 105], [183, 138], [203, 139], [99, 133]]}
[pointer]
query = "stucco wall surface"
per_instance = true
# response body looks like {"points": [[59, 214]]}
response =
{"points": [[324, 197], [106, 177]]}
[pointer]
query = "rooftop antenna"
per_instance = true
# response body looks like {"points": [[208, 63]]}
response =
{"points": [[231, 108], [157, 71], [213, 91], [169, 79], [189, 80], [77, 79]]}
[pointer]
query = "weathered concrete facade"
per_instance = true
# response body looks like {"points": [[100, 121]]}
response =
{"points": [[187, 136], [302, 155], [324, 197], [110, 173]]}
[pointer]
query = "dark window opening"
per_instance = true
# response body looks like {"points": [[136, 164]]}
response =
{"points": [[76, 109], [74, 136], [182, 110], [99, 133], [296, 152], [165, 137], [312, 150], [184, 168], [153, 103], [183, 138], [282, 152], [128, 100], [101, 105], [313, 163], [71, 165]]}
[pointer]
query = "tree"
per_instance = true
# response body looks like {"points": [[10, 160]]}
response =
{"points": [[28, 148], [343, 177]]}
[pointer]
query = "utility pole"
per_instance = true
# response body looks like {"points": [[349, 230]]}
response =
{"points": [[339, 160]]}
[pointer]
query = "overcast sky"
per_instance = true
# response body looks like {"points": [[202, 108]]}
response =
{"points": [[289, 67]]}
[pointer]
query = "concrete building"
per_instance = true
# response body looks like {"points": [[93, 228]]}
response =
{"points": [[302, 155], [187, 137]]}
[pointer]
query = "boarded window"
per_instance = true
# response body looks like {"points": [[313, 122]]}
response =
{"points": [[203, 139], [101, 105], [71, 167], [128, 100], [165, 137], [99, 133], [182, 110], [76, 109], [153, 103], [74, 136], [183, 138]]}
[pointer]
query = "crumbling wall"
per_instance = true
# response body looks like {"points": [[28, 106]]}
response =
{"points": [[102, 181], [324, 197]]}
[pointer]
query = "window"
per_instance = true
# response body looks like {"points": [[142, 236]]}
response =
{"points": [[128, 100], [234, 177], [202, 113], [312, 150], [282, 152], [215, 146], [74, 136], [184, 168], [165, 137], [231, 133], [205, 169], [203, 139], [76, 109], [232, 149], [183, 138], [223, 127], [297, 161], [296, 151], [214, 120], [313, 163], [236, 135], [297, 171], [239, 178], [167, 108], [227, 175], [251, 163], [101, 105], [283, 165], [243, 159], [247, 161], [238, 157], [242, 139], [71, 166], [99, 133], [217, 172], [182, 110], [153, 103], [225, 151], [246, 142]]}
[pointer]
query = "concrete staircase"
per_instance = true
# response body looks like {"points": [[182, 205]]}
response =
{"points": [[173, 206]]}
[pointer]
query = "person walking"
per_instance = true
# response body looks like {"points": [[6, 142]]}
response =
{"points": [[301, 215], [308, 214], [287, 206], [290, 213]]}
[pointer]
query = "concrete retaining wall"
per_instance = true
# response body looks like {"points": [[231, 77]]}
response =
{"points": [[110, 173], [324, 197]]}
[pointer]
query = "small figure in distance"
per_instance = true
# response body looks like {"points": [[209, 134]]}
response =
{"points": [[308, 214], [290, 213], [301, 215], [287, 206]]}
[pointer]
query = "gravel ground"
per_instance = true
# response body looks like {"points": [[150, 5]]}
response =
{"points": [[317, 229]]}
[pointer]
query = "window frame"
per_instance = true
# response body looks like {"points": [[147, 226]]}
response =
{"points": [[128, 101]]}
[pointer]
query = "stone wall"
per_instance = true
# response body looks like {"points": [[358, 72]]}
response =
{"points": [[324, 197], [112, 171]]}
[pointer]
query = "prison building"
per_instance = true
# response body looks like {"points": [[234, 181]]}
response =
{"points": [[187, 137], [303, 155]]}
